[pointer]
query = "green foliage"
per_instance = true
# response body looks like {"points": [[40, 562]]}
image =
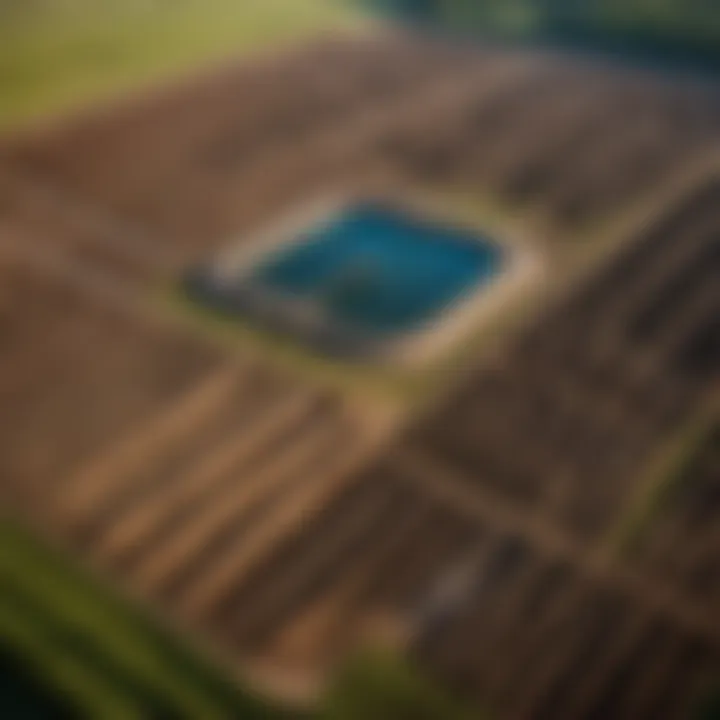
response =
{"points": [[709, 706], [676, 467], [58, 54], [687, 26], [379, 686], [107, 658]]}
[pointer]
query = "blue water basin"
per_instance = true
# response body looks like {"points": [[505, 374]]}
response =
{"points": [[380, 269]]}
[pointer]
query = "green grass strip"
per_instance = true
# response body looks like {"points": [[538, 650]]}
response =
{"points": [[672, 469], [380, 685], [61, 55], [133, 647], [86, 689]]}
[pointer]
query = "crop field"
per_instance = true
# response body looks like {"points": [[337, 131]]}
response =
{"points": [[612, 371], [307, 116], [281, 520], [577, 646]]}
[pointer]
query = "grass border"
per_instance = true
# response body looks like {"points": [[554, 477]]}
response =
{"points": [[77, 606]]}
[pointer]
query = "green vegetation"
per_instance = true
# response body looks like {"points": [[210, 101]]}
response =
{"points": [[106, 659], [377, 686], [21, 693], [709, 706], [688, 27], [57, 55], [664, 480]]}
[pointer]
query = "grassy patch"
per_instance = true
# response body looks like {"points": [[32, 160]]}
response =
{"points": [[108, 659], [380, 686], [62, 55], [708, 706], [662, 481]]}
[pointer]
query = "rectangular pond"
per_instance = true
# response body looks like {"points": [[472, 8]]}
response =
{"points": [[357, 281], [381, 270]]}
